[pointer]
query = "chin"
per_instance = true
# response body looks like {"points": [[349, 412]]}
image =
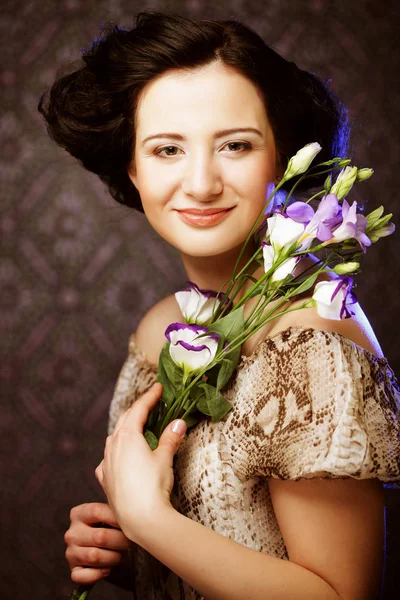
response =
{"points": [[206, 250]]}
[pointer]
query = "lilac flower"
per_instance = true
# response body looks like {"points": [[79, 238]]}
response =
{"points": [[284, 269], [352, 227], [197, 305], [187, 350], [278, 199], [333, 298], [320, 223]]}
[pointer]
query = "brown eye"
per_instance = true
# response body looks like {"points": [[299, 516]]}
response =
{"points": [[169, 151], [238, 146]]}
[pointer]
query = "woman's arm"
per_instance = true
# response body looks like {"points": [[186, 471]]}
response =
{"points": [[333, 531]]}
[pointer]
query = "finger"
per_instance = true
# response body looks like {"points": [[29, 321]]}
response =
{"points": [[92, 513], [99, 473], [88, 576], [170, 440], [109, 539], [96, 558], [81, 536], [137, 415]]}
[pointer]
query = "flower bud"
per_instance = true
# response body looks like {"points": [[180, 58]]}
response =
{"points": [[383, 231], [344, 182], [328, 183], [300, 162], [345, 268], [363, 174]]}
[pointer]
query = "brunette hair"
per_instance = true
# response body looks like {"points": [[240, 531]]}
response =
{"points": [[91, 111]]}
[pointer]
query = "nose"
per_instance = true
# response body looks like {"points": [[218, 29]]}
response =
{"points": [[202, 179]]}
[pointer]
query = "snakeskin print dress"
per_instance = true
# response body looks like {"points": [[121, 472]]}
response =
{"points": [[306, 404]]}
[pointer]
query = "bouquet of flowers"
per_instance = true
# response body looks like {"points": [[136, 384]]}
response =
{"points": [[200, 355]]}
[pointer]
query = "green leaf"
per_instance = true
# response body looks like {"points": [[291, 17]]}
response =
{"points": [[153, 417], [304, 286], [381, 222], [226, 369], [151, 439], [374, 215], [231, 325], [213, 403], [212, 375], [191, 420], [170, 371], [217, 405]]}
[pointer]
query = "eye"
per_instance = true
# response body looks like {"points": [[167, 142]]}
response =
{"points": [[238, 146], [169, 150]]}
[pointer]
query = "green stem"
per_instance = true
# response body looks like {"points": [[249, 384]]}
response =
{"points": [[321, 193], [81, 592]]}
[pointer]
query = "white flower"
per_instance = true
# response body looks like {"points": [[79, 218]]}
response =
{"points": [[284, 269], [197, 305], [344, 182], [300, 162], [333, 298], [283, 231], [187, 350]]}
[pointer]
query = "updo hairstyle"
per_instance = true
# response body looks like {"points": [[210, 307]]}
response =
{"points": [[91, 111]]}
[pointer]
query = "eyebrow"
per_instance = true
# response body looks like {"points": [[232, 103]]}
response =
{"points": [[217, 134]]}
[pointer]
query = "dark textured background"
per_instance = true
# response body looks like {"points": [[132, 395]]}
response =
{"points": [[78, 271]]}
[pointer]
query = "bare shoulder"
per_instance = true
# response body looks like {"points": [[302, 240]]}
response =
{"points": [[150, 332], [357, 329]]}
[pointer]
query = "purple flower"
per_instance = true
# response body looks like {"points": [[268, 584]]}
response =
{"points": [[187, 350], [197, 305], [353, 226], [333, 298], [276, 201], [319, 223]]}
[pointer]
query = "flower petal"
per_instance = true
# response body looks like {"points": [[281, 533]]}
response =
{"points": [[301, 212]]}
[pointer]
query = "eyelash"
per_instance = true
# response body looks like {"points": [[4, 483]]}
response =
{"points": [[157, 152]]}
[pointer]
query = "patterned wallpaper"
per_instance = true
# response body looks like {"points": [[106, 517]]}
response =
{"points": [[78, 271]]}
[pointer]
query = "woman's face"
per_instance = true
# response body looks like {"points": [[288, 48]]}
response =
{"points": [[195, 159]]}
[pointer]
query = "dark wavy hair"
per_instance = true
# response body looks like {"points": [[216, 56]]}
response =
{"points": [[91, 111]]}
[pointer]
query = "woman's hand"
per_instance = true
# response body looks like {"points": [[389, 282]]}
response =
{"points": [[92, 550], [138, 481]]}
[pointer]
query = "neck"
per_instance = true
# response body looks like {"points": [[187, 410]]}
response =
{"points": [[214, 272]]}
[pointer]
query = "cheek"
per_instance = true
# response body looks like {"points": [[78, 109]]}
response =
{"points": [[155, 184], [252, 181]]}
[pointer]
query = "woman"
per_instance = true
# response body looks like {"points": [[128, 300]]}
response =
{"points": [[179, 117]]}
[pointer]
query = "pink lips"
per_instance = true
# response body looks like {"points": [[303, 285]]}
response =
{"points": [[204, 217]]}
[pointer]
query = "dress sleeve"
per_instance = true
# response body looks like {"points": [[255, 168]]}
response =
{"points": [[136, 377], [322, 407]]}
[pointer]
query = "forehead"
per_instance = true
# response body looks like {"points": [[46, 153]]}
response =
{"points": [[209, 96]]}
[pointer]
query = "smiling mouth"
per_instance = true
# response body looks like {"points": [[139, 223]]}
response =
{"points": [[204, 219], [204, 211]]}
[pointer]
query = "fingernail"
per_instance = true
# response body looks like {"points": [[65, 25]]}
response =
{"points": [[179, 427]]}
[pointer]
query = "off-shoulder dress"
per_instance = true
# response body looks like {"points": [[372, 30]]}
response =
{"points": [[306, 403]]}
